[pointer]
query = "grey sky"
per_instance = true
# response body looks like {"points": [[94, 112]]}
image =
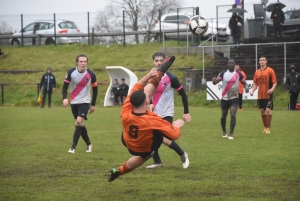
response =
{"points": [[36, 9]]}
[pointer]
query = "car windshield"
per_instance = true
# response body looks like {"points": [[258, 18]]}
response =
{"points": [[67, 25], [287, 15]]}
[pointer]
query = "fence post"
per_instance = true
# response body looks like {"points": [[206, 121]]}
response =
{"points": [[38, 89], [124, 43], [93, 36], [22, 29], [54, 29], [159, 18], [2, 93], [88, 16]]}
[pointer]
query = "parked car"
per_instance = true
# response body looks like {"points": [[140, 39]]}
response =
{"points": [[174, 21], [47, 27], [291, 25]]}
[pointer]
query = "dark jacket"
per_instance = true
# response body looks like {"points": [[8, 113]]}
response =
{"points": [[293, 81], [48, 82], [236, 30], [279, 17], [124, 89], [115, 89]]}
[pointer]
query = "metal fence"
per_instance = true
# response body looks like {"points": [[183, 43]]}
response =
{"points": [[89, 34]]}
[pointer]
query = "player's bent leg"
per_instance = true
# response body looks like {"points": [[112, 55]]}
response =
{"points": [[131, 164]]}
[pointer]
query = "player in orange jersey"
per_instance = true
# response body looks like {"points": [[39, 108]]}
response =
{"points": [[265, 80], [140, 126], [241, 86]]}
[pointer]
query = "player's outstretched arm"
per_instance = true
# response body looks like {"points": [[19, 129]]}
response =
{"points": [[178, 123], [146, 78], [216, 80]]}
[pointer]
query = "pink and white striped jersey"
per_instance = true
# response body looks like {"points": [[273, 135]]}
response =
{"points": [[80, 85], [230, 84], [163, 97]]}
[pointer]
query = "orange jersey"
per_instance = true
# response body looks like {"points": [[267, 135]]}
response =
{"points": [[138, 128], [264, 79], [241, 86]]}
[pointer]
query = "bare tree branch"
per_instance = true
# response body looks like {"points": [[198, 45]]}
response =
{"points": [[139, 15], [5, 28]]}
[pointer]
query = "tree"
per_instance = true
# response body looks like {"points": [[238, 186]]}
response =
{"points": [[5, 28], [140, 15]]}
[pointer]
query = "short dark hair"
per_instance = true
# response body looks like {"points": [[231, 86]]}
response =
{"points": [[231, 59], [263, 56], [158, 54], [123, 79], [82, 55], [137, 98]]}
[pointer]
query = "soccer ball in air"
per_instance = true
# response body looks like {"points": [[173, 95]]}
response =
{"points": [[198, 25]]}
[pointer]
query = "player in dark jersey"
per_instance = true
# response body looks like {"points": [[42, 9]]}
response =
{"points": [[140, 125], [230, 89], [81, 80], [265, 80]]}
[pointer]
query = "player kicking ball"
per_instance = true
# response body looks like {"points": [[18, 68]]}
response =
{"points": [[140, 126]]}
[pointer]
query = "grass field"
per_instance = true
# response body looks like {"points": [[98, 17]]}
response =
{"points": [[35, 164]]}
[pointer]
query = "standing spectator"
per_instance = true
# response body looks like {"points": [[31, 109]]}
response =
{"points": [[81, 80], [115, 91], [235, 24], [230, 88], [293, 85], [48, 83], [278, 18], [123, 90], [265, 80], [241, 86]]}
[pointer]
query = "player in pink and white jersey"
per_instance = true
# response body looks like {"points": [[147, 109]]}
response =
{"points": [[81, 80], [163, 103], [230, 97]]}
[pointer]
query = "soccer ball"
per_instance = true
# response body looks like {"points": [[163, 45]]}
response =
{"points": [[198, 25]]}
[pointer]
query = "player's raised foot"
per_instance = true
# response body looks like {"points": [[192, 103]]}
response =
{"points": [[268, 131], [89, 148], [154, 166], [72, 151], [185, 160], [166, 64], [224, 135], [113, 174], [230, 137]]}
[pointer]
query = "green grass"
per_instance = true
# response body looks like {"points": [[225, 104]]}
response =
{"points": [[35, 164]]}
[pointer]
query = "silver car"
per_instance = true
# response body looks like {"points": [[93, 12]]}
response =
{"points": [[47, 27], [174, 21]]}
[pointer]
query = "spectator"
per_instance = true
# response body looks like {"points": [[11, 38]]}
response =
{"points": [[115, 91], [278, 18], [123, 90], [293, 85], [235, 24], [241, 86], [48, 83]]}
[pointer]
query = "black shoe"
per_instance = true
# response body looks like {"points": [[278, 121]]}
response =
{"points": [[113, 174], [166, 64]]}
